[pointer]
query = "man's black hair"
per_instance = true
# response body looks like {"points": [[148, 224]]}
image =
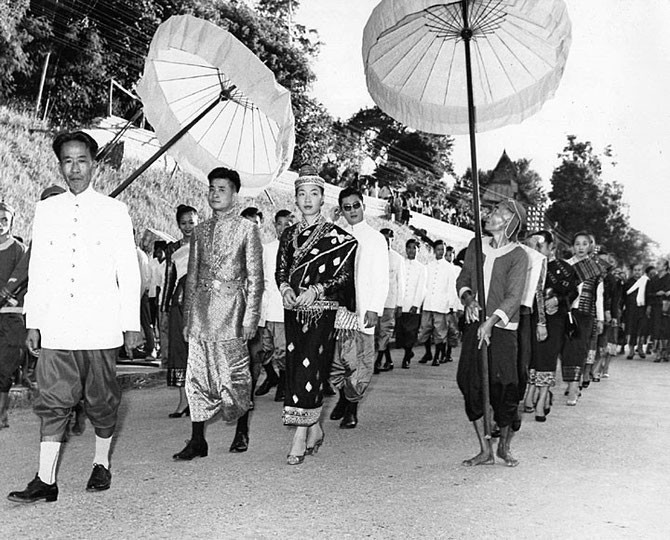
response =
{"points": [[75, 136], [251, 212], [282, 214], [350, 191], [228, 174]]}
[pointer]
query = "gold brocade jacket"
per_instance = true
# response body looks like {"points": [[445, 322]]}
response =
{"points": [[224, 284]]}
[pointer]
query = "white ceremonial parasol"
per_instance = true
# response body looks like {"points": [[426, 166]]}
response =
{"points": [[465, 66], [213, 103]]}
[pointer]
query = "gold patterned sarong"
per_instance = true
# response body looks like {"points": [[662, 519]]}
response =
{"points": [[218, 379]]}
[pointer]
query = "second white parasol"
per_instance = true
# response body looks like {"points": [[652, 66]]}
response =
{"points": [[193, 65]]}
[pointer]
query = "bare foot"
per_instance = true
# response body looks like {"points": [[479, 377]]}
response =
{"points": [[483, 458], [505, 454]]}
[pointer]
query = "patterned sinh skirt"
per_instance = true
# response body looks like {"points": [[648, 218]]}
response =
{"points": [[576, 347], [309, 354], [218, 379]]}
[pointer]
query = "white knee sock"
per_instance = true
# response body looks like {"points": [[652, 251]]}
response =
{"points": [[49, 451], [102, 447]]}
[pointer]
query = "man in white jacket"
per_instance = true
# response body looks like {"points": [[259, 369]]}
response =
{"points": [[438, 319], [392, 306], [83, 303], [414, 290], [353, 363]]}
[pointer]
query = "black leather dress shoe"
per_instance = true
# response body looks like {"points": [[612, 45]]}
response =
{"points": [[36, 491], [100, 480], [192, 450], [267, 385], [240, 442], [340, 408], [350, 420]]}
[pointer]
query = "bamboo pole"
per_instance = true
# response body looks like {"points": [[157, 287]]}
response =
{"points": [[466, 34]]}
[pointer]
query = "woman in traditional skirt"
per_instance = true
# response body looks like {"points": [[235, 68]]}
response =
{"points": [[176, 263], [315, 275], [560, 291], [582, 315]]}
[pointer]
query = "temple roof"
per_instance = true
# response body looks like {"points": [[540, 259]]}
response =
{"points": [[504, 172]]}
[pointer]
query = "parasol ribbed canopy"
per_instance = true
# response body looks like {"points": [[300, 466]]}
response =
{"points": [[415, 66], [193, 63]]}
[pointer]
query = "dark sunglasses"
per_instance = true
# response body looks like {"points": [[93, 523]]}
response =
{"points": [[350, 207]]}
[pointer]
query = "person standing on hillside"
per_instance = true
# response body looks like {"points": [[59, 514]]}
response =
{"points": [[12, 325], [83, 303]]}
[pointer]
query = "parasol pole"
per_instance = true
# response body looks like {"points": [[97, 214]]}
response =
{"points": [[466, 34], [166, 146]]}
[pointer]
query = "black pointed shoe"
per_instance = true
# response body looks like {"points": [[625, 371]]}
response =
{"points": [[192, 450], [35, 492], [240, 442], [100, 480]]}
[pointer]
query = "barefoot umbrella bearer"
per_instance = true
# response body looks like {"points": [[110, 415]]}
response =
{"points": [[505, 272], [82, 249]]}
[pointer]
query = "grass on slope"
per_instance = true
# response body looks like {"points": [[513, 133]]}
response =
{"points": [[28, 165]]}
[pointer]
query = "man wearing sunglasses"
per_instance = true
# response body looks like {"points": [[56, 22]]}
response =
{"points": [[354, 358]]}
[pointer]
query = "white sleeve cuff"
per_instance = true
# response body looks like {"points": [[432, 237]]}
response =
{"points": [[503, 316], [463, 290]]}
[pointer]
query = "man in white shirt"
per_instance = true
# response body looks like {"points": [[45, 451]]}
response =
{"points": [[83, 303], [392, 309], [351, 372], [414, 290], [438, 319], [273, 335]]}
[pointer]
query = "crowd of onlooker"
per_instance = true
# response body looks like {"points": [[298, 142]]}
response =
{"points": [[401, 203]]}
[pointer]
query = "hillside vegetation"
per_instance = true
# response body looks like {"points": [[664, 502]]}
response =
{"points": [[28, 165]]}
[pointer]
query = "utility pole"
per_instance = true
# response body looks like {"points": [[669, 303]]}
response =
{"points": [[45, 68], [43, 79]]}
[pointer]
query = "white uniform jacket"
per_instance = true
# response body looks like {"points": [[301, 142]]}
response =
{"points": [[272, 308], [537, 272], [441, 295], [84, 279], [415, 285], [371, 272], [396, 280]]}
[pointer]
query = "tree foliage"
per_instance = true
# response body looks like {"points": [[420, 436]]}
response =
{"points": [[406, 159], [582, 200]]}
